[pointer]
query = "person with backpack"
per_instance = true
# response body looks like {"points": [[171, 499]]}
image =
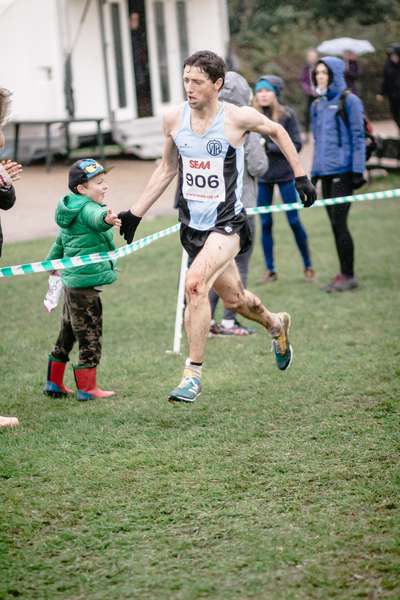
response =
{"points": [[338, 126]]}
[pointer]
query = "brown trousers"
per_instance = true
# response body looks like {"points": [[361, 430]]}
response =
{"points": [[82, 321]]}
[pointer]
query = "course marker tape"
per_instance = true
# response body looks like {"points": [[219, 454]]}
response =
{"points": [[79, 261], [329, 202]]}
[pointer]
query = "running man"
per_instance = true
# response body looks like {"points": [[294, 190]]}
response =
{"points": [[204, 141]]}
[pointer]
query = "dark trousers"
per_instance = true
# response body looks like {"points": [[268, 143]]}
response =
{"points": [[394, 103], [82, 321], [242, 261], [307, 117], [334, 186]]}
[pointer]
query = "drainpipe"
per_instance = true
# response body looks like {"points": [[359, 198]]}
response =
{"points": [[63, 26], [100, 4]]}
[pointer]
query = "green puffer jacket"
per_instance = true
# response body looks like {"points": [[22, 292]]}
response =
{"points": [[83, 231]]}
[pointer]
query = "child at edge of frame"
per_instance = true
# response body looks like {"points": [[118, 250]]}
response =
{"points": [[85, 227]]}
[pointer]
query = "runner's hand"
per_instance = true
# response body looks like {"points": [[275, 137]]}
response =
{"points": [[306, 191], [129, 223]]}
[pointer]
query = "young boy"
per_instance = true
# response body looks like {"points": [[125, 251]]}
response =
{"points": [[85, 227]]}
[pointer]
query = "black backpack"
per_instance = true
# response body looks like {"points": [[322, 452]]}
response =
{"points": [[371, 143]]}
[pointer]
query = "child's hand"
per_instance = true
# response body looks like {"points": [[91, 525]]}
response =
{"points": [[112, 219], [13, 169]]}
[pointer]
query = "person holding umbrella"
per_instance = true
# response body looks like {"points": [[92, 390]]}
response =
{"points": [[339, 157], [352, 71], [349, 49]]}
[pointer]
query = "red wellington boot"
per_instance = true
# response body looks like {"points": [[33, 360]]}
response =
{"points": [[55, 373], [85, 378]]}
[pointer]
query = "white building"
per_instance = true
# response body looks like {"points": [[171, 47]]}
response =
{"points": [[125, 59]]}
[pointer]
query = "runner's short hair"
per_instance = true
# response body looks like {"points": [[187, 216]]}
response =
{"points": [[209, 62]]}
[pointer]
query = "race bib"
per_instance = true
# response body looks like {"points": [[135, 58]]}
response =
{"points": [[203, 180]]}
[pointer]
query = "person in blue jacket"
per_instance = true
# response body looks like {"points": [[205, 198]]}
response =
{"points": [[339, 157], [268, 101]]}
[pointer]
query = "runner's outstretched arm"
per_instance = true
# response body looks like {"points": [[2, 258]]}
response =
{"points": [[252, 120], [158, 182]]}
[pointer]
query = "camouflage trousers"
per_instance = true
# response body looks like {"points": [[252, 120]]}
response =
{"points": [[82, 322]]}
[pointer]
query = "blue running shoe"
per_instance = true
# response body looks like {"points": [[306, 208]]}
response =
{"points": [[281, 347], [188, 390]]}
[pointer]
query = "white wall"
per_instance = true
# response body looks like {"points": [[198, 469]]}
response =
{"points": [[31, 59], [129, 111], [87, 61], [35, 34], [208, 29], [207, 26], [34, 37]]}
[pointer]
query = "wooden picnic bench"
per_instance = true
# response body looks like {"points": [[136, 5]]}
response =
{"points": [[386, 156]]}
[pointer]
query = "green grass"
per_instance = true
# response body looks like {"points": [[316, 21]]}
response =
{"points": [[273, 486]]}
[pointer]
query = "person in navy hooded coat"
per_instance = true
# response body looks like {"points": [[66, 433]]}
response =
{"points": [[339, 157]]}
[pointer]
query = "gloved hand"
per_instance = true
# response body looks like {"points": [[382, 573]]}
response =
{"points": [[129, 223], [306, 191], [314, 180], [357, 180]]}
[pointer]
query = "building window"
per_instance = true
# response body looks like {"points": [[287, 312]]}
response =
{"points": [[162, 53], [182, 30], [118, 55]]}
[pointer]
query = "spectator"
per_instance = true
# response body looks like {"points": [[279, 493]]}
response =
{"points": [[339, 158], [9, 172], [307, 84], [391, 82], [237, 91], [268, 93], [352, 71], [85, 227]]}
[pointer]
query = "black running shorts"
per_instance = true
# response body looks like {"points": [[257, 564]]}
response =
{"points": [[193, 240]]}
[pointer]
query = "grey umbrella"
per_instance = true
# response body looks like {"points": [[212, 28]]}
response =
{"points": [[339, 45]]}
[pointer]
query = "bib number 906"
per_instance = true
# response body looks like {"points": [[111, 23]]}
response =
{"points": [[201, 181]]}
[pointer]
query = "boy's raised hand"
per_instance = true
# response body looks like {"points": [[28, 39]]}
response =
{"points": [[112, 219]]}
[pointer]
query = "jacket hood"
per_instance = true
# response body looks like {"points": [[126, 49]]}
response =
{"points": [[336, 67], [69, 207], [236, 90]]}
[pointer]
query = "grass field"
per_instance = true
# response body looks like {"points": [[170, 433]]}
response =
{"points": [[273, 486]]}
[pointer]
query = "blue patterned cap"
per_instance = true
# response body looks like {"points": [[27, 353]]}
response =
{"points": [[82, 170]]}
